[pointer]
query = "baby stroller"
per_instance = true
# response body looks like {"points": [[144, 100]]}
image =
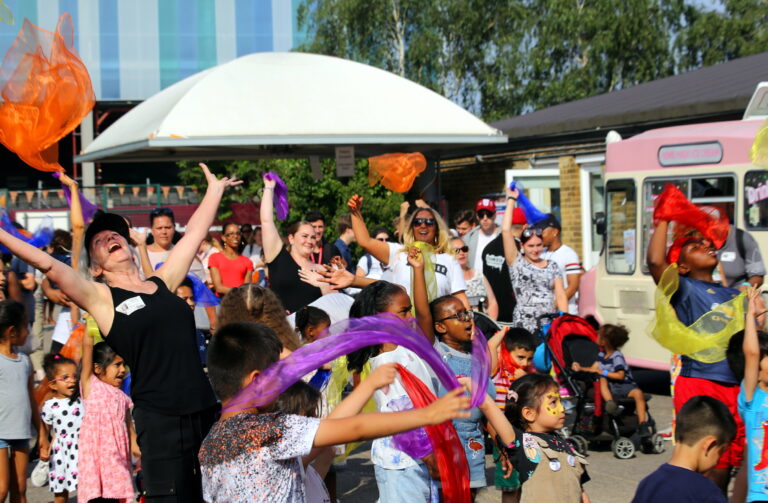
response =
{"points": [[572, 339]]}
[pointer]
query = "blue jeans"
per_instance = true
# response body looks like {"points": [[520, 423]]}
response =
{"points": [[410, 484], [14, 444]]}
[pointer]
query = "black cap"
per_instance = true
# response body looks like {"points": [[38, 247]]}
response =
{"points": [[105, 222], [549, 221]]}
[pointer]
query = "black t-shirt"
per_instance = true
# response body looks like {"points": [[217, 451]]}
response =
{"points": [[285, 282], [672, 483], [324, 256], [496, 271], [155, 335]]}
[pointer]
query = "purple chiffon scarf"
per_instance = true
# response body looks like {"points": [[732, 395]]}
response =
{"points": [[350, 335], [280, 193], [88, 208]]}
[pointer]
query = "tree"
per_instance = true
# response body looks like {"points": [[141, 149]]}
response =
{"points": [[328, 195], [578, 48], [734, 29], [461, 49]]}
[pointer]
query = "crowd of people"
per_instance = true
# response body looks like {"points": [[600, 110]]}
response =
{"points": [[157, 336]]}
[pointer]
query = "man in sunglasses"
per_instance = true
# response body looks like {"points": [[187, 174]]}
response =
{"points": [[479, 237], [564, 256]]}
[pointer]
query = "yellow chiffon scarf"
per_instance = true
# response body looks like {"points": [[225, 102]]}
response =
{"points": [[707, 338], [340, 377], [428, 252]]}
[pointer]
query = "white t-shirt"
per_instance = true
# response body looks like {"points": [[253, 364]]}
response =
{"points": [[568, 260], [336, 306], [448, 273], [377, 268], [482, 241], [383, 453]]}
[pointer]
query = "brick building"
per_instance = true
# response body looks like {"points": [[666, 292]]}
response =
{"points": [[558, 152]]}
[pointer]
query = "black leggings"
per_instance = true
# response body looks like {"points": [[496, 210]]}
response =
{"points": [[169, 446]]}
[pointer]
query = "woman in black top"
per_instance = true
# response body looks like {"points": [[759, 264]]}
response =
{"points": [[154, 332], [284, 263]]}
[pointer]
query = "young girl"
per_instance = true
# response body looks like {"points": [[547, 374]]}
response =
{"points": [[398, 476], [550, 469], [310, 322], [18, 409], [61, 417], [454, 328], [616, 379], [104, 464]]}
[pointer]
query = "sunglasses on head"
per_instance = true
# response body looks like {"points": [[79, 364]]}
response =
{"points": [[464, 249], [527, 233], [484, 214], [165, 212], [460, 316], [430, 222]]}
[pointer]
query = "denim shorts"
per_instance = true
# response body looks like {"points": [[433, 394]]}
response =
{"points": [[14, 444], [411, 484]]}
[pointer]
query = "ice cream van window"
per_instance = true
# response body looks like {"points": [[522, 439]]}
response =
{"points": [[716, 193], [756, 199], [621, 215]]}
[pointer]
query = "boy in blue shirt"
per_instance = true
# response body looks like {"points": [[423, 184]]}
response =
{"points": [[753, 402], [705, 428]]}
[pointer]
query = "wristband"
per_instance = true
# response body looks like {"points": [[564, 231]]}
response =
{"points": [[605, 373], [746, 283]]}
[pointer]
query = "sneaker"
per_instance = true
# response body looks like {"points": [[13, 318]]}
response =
{"points": [[611, 408]]}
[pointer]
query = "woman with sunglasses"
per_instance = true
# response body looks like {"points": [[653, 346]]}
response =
{"points": [[229, 269], [479, 293], [538, 283], [425, 230]]}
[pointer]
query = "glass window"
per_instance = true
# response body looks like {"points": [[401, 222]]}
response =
{"points": [[621, 218], [714, 192], [756, 199]]}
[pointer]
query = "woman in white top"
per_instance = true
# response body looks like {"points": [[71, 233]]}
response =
{"points": [[426, 230]]}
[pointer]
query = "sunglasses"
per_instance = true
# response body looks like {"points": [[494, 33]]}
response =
{"points": [[429, 222], [484, 214], [460, 316], [528, 233], [165, 212], [464, 249]]}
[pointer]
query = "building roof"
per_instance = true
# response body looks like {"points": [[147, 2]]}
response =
{"points": [[715, 90]]}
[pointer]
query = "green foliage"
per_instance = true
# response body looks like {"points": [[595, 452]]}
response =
{"points": [[505, 57], [736, 29], [328, 195]]}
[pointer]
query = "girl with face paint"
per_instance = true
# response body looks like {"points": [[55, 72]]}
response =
{"points": [[550, 468]]}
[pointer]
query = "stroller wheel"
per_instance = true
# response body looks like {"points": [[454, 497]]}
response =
{"points": [[657, 443], [623, 448], [579, 443]]}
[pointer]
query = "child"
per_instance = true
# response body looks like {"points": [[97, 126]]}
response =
{"points": [[705, 428], [104, 464], [697, 296], [61, 417], [512, 353], [752, 402], [310, 322], [454, 329], [398, 476], [186, 292], [251, 455], [18, 409], [550, 469], [616, 379]]}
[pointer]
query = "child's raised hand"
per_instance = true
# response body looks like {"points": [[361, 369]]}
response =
{"points": [[451, 406], [753, 294], [415, 258], [382, 376]]}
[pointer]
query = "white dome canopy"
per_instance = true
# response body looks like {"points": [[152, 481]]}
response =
{"points": [[288, 104]]}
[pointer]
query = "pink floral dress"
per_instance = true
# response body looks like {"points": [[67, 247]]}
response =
{"points": [[104, 462]]}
